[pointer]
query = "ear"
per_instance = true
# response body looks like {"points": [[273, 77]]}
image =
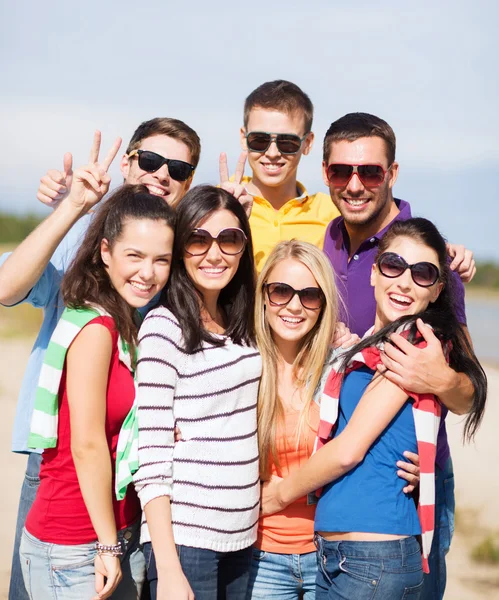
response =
{"points": [[242, 138], [373, 275], [105, 253], [308, 142], [393, 174], [324, 173], [436, 292], [125, 166]]}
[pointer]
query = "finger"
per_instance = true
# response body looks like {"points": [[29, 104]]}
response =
{"points": [[393, 377], [50, 187], [401, 343], [408, 468], [99, 581], [46, 199], [228, 186], [88, 178], [409, 477], [239, 174], [470, 275], [111, 155], [68, 164], [223, 168], [54, 176], [427, 332], [94, 151], [413, 457], [409, 489], [458, 253]]}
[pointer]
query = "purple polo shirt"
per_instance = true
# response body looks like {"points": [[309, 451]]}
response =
{"points": [[354, 286]]}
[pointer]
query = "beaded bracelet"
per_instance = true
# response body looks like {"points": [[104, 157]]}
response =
{"points": [[115, 550]]}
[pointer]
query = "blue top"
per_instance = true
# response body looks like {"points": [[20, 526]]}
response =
{"points": [[369, 498], [46, 295]]}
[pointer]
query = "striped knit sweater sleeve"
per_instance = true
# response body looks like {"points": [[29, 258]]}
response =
{"points": [[156, 376]]}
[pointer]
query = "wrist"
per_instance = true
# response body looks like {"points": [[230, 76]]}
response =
{"points": [[448, 383], [71, 209]]}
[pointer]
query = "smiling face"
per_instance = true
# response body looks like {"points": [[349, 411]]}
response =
{"points": [[289, 324], [212, 272], [159, 183], [360, 205], [138, 264], [400, 296], [271, 168]]}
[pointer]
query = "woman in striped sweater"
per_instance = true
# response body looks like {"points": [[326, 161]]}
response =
{"points": [[198, 369], [366, 527]]}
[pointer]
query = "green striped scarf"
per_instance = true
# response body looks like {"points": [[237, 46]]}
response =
{"points": [[45, 417], [127, 453]]}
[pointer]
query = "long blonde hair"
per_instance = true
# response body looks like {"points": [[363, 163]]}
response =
{"points": [[313, 352]]}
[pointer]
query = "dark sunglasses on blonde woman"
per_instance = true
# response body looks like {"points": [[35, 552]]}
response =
{"points": [[280, 294]]}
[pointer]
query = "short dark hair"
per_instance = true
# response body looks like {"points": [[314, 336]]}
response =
{"points": [[283, 96], [236, 299], [357, 125], [173, 128], [87, 282]]}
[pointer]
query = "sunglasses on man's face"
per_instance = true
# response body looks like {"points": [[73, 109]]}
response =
{"points": [[339, 175], [152, 162], [424, 274], [280, 294], [287, 143], [231, 241]]}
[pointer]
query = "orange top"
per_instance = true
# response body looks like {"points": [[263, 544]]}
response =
{"points": [[291, 531]]}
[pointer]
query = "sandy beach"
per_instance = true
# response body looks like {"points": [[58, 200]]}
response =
{"points": [[475, 465]]}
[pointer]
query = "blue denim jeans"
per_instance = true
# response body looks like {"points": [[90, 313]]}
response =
{"points": [[17, 591], [435, 580], [211, 575], [282, 576], [63, 572], [390, 570]]}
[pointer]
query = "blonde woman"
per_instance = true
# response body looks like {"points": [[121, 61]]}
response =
{"points": [[295, 317]]}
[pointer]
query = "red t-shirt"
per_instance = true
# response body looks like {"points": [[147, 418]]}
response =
{"points": [[59, 514]]}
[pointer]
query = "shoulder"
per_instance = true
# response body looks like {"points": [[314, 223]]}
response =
{"points": [[161, 323], [324, 206]]}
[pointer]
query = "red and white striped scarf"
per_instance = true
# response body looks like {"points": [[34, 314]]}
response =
{"points": [[426, 410]]}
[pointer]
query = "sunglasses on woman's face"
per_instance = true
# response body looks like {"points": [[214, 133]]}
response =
{"points": [[339, 175], [231, 241], [280, 294], [287, 143], [152, 162], [424, 274]]}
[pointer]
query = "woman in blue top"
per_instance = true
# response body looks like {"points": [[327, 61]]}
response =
{"points": [[366, 527]]}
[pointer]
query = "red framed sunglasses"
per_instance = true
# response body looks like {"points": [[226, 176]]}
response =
{"points": [[339, 175]]}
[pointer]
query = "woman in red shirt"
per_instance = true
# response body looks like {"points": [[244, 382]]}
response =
{"points": [[79, 541]]}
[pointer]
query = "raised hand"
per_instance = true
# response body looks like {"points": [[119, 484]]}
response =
{"points": [[462, 261], [235, 187], [91, 182], [56, 185]]}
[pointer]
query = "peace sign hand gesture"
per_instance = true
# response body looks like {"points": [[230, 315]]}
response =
{"points": [[236, 188], [91, 182]]}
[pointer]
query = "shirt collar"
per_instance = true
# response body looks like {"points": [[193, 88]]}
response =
{"points": [[300, 188]]}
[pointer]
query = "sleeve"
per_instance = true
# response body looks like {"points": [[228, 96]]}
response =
{"points": [[457, 292], [156, 379]]}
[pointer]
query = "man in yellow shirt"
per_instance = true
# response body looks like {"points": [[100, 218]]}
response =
{"points": [[276, 134]]}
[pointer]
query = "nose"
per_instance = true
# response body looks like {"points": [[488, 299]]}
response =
{"points": [[214, 254], [146, 271], [294, 304], [272, 151], [404, 281], [162, 174], [355, 186]]}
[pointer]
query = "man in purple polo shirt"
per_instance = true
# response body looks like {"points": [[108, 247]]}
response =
{"points": [[355, 147]]}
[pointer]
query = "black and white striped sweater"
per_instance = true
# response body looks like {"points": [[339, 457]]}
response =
{"points": [[211, 475]]}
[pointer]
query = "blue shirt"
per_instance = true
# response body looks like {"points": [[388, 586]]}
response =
{"points": [[369, 498], [46, 295]]}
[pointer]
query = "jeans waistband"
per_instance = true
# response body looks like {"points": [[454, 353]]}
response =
{"points": [[385, 549]]}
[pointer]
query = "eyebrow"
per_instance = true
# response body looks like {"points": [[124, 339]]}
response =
{"points": [[142, 254]]}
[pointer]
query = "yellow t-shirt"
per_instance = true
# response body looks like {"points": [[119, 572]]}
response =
{"points": [[303, 218]]}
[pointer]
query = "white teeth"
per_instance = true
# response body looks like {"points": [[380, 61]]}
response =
{"points": [[353, 202], [402, 299], [213, 270], [140, 286], [272, 167], [156, 190], [292, 319]]}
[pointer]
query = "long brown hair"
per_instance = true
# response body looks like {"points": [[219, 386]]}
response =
{"points": [[87, 282]]}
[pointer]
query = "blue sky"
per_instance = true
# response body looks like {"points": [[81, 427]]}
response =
{"points": [[429, 68]]}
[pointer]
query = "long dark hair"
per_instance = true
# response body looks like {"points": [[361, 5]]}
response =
{"points": [[236, 299], [87, 282], [439, 314]]}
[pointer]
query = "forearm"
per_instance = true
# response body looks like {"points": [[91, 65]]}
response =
{"points": [[93, 467], [24, 267], [456, 392], [159, 523]]}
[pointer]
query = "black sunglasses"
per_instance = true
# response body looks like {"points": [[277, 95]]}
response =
{"points": [[151, 162], [424, 274], [287, 143], [231, 241], [280, 294]]}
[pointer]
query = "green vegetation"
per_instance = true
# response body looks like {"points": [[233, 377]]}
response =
{"points": [[14, 228], [487, 276], [487, 551]]}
